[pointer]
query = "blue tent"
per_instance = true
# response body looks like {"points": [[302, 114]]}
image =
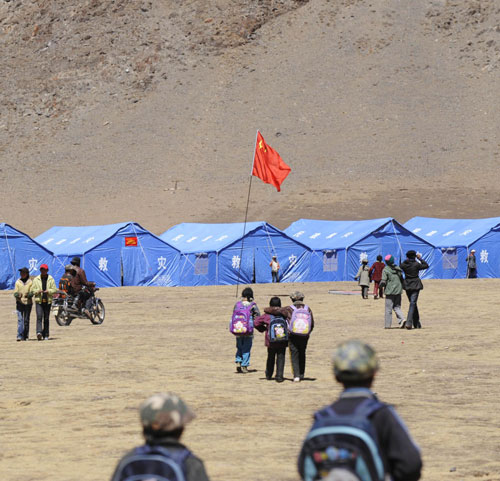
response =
{"points": [[453, 239], [339, 246], [114, 255], [19, 250], [213, 254]]}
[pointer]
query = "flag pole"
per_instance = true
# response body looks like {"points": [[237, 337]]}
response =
{"points": [[246, 215]]}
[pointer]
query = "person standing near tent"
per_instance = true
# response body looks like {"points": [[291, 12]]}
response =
{"points": [[376, 276], [413, 285], [363, 277], [471, 265], [24, 304], [244, 313], [275, 269], [392, 282], [43, 288], [300, 325]]}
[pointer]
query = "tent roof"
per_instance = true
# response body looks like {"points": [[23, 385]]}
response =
{"points": [[8, 231], [197, 237], [451, 232], [66, 240], [333, 234]]}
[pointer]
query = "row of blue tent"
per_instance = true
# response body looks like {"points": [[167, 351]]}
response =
{"points": [[193, 254]]}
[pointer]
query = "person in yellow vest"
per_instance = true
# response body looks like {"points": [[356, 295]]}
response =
{"points": [[43, 288], [24, 303]]}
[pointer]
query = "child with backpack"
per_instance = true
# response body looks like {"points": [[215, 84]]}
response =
{"points": [[276, 340], [300, 325], [163, 456], [241, 325], [358, 437]]}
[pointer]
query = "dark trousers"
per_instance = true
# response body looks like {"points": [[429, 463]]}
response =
{"points": [[472, 273], [298, 346], [275, 354], [23, 322], [276, 276], [413, 317], [364, 292], [43, 314]]}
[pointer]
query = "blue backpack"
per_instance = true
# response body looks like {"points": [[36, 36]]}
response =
{"points": [[278, 330], [152, 463], [346, 442]]}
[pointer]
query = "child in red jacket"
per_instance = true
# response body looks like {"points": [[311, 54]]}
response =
{"points": [[376, 276], [276, 342]]}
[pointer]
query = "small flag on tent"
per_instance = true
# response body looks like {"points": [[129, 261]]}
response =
{"points": [[131, 241], [268, 165]]}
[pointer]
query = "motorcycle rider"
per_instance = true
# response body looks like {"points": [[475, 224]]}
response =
{"points": [[80, 280], [66, 281]]}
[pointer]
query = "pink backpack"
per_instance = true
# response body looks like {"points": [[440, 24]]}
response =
{"points": [[242, 321], [300, 323]]}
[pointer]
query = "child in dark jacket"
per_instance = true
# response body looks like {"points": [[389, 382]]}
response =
{"points": [[276, 349]]}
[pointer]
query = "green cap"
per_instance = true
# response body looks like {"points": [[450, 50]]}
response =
{"points": [[165, 412], [354, 361]]}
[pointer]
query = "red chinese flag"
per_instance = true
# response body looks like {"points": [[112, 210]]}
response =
{"points": [[131, 241], [268, 165]]}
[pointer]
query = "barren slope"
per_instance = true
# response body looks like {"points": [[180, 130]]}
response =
{"points": [[381, 108]]}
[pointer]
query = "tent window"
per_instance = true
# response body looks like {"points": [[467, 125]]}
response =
{"points": [[330, 261], [201, 265], [450, 258]]}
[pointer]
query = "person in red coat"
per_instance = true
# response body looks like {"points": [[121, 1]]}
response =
{"points": [[376, 276]]}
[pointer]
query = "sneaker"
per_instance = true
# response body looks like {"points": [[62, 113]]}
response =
{"points": [[402, 323], [244, 369], [296, 379], [238, 367], [46, 338], [18, 339], [39, 336]]}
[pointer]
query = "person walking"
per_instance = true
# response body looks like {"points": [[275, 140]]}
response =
{"points": [[392, 282], [246, 307], [24, 303], [393, 452], [471, 265], [163, 418], [43, 288], [376, 276], [300, 325], [363, 278], [275, 341], [275, 269], [411, 266]]}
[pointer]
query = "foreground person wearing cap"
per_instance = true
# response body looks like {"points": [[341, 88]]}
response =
{"points": [[24, 303], [358, 433], [43, 288], [163, 418], [413, 285]]}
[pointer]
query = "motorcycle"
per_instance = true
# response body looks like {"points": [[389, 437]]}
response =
{"points": [[64, 312]]}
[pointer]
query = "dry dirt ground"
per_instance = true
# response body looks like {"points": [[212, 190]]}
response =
{"points": [[69, 405]]}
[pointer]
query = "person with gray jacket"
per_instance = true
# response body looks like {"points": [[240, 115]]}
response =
{"points": [[392, 281], [363, 277]]}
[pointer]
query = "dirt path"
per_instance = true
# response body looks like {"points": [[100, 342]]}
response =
{"points": [[69, 405]]}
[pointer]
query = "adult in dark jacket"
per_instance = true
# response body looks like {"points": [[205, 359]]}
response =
{"points": [[79, 280], [163, 418], [275, 350], [355, 365], [411, 266], [296, 343]]}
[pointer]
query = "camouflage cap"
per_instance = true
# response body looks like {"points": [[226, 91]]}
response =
{"points": [[165, 412], [297, 296], [354, 361]]}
